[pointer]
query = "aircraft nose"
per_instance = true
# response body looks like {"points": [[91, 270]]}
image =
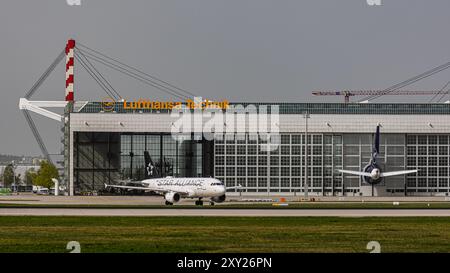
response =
{"points": [[222, 190]]}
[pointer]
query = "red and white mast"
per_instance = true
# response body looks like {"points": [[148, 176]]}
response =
{"points": [[69, 69]]}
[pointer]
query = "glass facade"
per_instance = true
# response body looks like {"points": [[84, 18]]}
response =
{"points": [[262, 167], [101, 158], [245, 162]]}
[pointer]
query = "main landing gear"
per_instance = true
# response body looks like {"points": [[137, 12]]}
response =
{"points": [[168, 203], [199, 202]]}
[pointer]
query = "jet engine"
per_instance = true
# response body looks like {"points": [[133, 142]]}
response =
{"points": [[172, 197], [218, 199]]}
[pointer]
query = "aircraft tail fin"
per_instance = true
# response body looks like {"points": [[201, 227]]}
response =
{"points": [[150, 168], [376, 144]]}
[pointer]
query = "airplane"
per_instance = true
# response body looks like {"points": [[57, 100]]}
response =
{"points": [[173, 189], [372, 172]]}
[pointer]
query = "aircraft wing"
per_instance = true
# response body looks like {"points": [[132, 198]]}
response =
{"points": [[355, 173], [397, 173], [128, 187], [159, 191]]}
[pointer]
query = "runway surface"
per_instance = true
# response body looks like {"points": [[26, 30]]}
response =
{"points": [[228, 212]]}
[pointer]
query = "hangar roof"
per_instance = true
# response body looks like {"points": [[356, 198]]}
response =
{"points": [[299, 108]]}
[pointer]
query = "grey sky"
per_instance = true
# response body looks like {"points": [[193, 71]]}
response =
{"points": [[240, 50]]}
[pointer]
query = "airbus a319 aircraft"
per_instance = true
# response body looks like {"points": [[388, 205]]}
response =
{"points": [[372, 172], [173, 189]]}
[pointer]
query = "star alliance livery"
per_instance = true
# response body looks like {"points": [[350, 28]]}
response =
{"points": [[372, 173], [173, 189]]}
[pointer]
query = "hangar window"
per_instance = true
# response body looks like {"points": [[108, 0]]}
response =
{"points": [[251, 171], [411, 139], [241, 171], [274, 160], [285, 139], [241, 160], [317, 139], [411, 150], [432, 150], [443, 140], [220, 160], [412, 161], [262, 160], [443, 150], [219, 171], [274, 171], [296, 182], [241, 149], [231, 160], [251, 182], [285, 182], [219, 149], [296, 150], [262, 182], [252, 150], [285, 150], [296, 160], [230, 150], [296, 171], [411, 182], [443, 161], [422, 150], [262, 171], [317, 171], [285, 171], [422, 140], [251, 161], [432, 182], [432, 140], [443, 183], [230, 171], [296, 139], [285, 160], [317, 182], [443, 171]]}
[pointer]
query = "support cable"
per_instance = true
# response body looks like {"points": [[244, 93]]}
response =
{"points": [[94, 76], [138, 71], [410, 81], [439, 93], [135, 76], [111, 89]]}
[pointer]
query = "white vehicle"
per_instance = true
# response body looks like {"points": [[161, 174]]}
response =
{"points": [[42, 191], [174, 189], [372, 172]]}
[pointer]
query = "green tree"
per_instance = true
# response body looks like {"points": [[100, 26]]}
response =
{"points": [[30, 175], [45, 174], [8, 176]]}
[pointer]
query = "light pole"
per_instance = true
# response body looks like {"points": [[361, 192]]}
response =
{"points": [[14, 175], [305, 183]]}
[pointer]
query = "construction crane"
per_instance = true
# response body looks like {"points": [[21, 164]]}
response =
{"points": [[350, 93]]}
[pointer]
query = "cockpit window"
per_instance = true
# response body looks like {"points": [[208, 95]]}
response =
{"points": [[217, 184]]}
